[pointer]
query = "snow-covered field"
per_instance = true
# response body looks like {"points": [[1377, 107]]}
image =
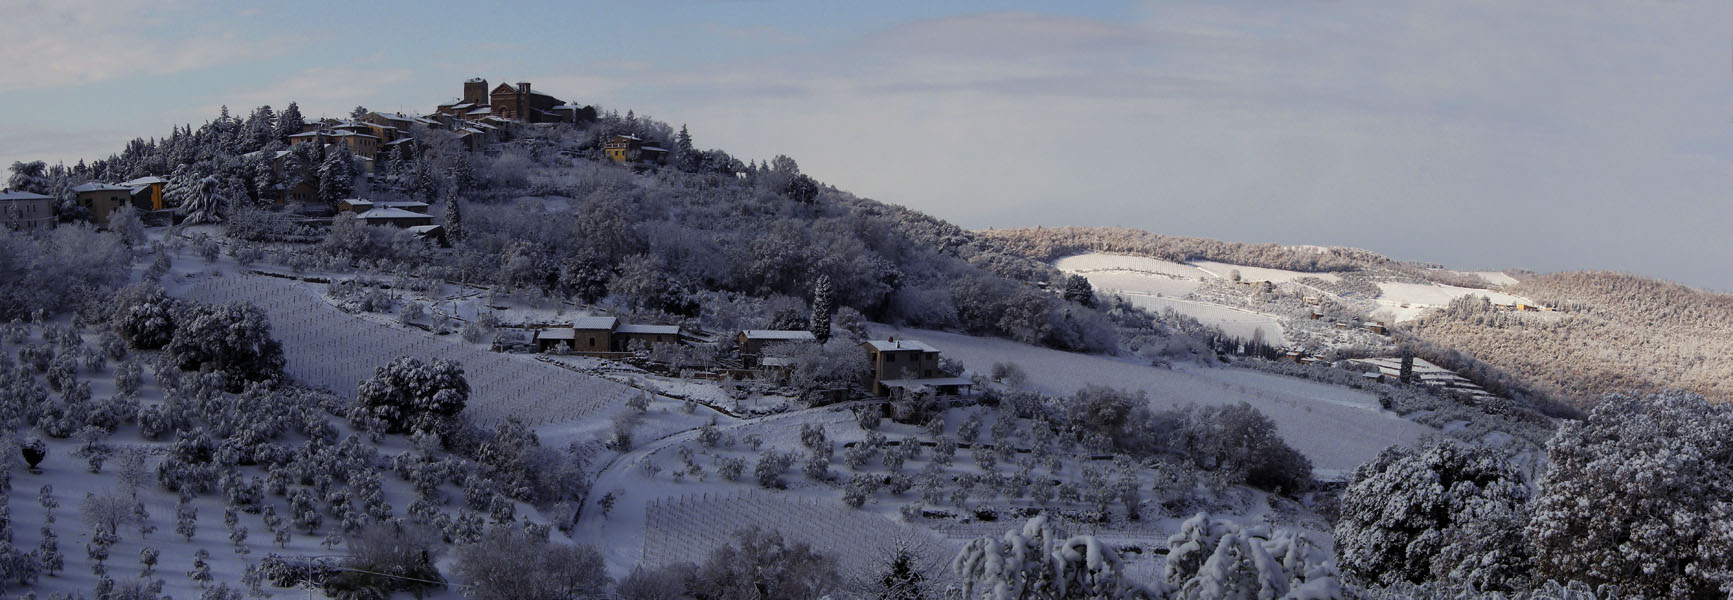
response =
{"points": [[1338, 428], [327, 348], [1237, 322], [1419, 297]]}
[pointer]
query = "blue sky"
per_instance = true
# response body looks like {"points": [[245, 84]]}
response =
{"points": [[1550, 134]]}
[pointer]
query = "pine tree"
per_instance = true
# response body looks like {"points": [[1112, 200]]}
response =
{"points": [[822, 297], [336, 176], [290, 122], [454, 218], [1077, 289], [1407, 373], [901, 579]]}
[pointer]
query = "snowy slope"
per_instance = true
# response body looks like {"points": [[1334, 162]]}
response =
{"points": [[1336, 427]]}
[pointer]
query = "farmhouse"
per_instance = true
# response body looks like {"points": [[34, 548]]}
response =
{"points": [[586, 335], [752, 342], [647, 335], [395, 217], [630, 148], [101, 199], [909, 365], [25, 210], [147, 192], [360, 144]]}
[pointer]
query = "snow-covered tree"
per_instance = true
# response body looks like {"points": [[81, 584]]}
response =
{"points": [[1077, 289], [411, 396], [1211, 559], [29, 177], [822, 298], [205, 202], [144, 316], [1638, 496], [232, 339], [337, 176], [1442, 512], [1040, 561], [509, 564]]}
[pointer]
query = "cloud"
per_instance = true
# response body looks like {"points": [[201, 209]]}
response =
{"points": [[1478, 133], [51, 44]]}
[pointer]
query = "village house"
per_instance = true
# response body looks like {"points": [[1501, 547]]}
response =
{"points": [[360, 205], [147, 192], [909, 365], [26, 210], [634, 334], [395, 217], [752, 342], [101, 199], [586, 335], [360, 144], [630, 148]]}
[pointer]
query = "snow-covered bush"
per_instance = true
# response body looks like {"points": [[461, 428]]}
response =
{"points": [[1638, 496], [762, 564], [384, 559], [1039, 561], [410, 396], [1210, 559], [508, 563], [1443, 512]]}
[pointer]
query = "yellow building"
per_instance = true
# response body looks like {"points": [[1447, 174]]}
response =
{"points": [[147, 191]]}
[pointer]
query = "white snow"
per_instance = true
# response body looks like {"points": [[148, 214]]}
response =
{"points": [[1338, 428], [1418, 297]]}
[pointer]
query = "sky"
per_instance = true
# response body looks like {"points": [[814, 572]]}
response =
{"points": [[1547, 134]]}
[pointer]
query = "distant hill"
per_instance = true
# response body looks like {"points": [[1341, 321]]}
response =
{"points": [[1613, 332]]}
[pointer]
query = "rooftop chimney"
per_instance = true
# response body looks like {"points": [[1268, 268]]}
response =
{"points": [[523, 87]]}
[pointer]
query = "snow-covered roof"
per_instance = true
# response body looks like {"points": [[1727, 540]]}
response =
{"points": [[409, 205], [425, 229], [20, 196], [557, 333], [390, 213], [907, 345], [593, 323], [144, 181], [399, 141], [479, 111], [95, 186], [654, 149], [650, 329], [779, 334]]}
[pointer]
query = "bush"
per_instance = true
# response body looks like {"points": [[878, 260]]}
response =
{"points": [[762, 564]]}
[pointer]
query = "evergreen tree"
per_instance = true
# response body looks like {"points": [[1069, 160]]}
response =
{"points": [[290, 122], [29, 177], [822, 297], [902, 580], [1077, 289], [336, 176], [1407, 373], [357, 113], [454, 218]]}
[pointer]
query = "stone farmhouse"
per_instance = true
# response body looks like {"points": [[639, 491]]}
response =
{"points": [[909, 366], [26, 210]]}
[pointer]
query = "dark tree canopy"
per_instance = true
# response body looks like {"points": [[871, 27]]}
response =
{"points": [[411, 396]]}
